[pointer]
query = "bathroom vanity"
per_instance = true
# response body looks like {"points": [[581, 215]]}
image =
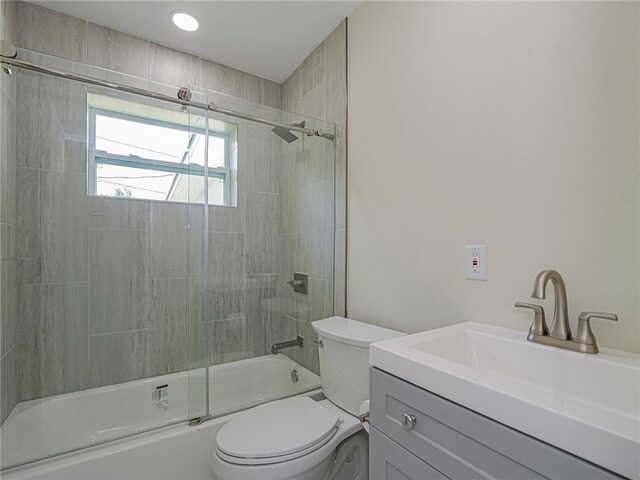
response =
{"points": [[475, 401], [419, 435]]}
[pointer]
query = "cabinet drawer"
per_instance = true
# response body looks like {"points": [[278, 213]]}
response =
{"points": [[389, 461], [462, 444]]}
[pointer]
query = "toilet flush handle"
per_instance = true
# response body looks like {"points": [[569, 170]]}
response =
{"points": [[318, 343]]}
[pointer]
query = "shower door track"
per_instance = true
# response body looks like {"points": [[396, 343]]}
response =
{"points": [[158, 96]]}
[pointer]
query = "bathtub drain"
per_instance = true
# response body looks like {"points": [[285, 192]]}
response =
{"points": [[294, 376]]}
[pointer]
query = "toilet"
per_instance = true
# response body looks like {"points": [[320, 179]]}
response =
{"points": [[298, 437]]}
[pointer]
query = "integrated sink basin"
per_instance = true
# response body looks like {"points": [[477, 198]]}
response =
{"points": [[587, 405]]}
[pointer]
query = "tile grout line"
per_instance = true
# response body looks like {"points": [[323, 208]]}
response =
{"points": [[13, 347], [119, 332], [45, 284]]}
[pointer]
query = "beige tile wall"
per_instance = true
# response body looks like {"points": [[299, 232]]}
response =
{"points": [[313, 207], [109, 289]]}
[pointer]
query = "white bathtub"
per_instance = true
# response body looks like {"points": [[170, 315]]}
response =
{"points": [[50, 426]]}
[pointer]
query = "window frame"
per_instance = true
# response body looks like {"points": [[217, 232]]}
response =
{"points": [[96, 157]]}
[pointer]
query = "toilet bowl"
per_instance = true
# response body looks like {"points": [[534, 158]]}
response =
{"points": [[298, 437]]}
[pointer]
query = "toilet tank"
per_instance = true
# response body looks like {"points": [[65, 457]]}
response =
{"points": [[344, 359]]}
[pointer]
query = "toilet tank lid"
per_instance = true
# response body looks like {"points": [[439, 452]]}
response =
{"points": [[352, 332]]}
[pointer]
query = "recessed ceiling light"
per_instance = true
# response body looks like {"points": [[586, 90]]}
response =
{"points": [[185, 21]]}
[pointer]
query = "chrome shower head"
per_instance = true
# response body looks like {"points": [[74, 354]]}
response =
{"points": [[7, 49], [286, 134]]}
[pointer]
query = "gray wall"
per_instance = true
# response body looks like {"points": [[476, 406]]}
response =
{"points": [[108, 289], [8, 393], [312, 237]]}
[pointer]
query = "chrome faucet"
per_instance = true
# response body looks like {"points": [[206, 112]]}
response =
{"points": [[560, 334], [560, 327], [298, 342]]}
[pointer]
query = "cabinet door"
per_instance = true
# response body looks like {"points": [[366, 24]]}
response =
{"points": [[389, 461], [463, 444]]}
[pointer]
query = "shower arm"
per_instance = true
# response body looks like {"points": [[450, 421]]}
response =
{"points": [[8, 60]]}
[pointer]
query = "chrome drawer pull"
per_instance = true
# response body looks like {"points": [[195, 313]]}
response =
{"points": [[408, 421]]}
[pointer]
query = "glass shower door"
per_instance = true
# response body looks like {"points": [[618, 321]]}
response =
{"points": [[104, 262], [282, 223]]}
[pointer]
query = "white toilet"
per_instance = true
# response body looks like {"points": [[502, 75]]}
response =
{"points": [[299, 438]]}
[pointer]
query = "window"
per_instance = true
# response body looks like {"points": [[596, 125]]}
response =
{"points": [[158, 155]]}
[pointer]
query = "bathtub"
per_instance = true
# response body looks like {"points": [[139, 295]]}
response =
{"points": [[38, 429]]}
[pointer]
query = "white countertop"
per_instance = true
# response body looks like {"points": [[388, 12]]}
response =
{"points": [[588, 405]]}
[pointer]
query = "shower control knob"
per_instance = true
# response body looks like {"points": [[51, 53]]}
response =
{"points": [[300, 283], [408, 421]]}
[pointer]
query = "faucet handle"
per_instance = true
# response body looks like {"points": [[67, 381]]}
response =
{"points": [[584, 334], [539, 325]]}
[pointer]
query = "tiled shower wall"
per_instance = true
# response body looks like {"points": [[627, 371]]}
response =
{"points": [[105, 287], [8, 320], [104, 284], [313, 238]]}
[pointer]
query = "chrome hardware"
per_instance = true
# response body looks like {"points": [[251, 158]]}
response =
{"points": [[184, 94], [298, 342], [584, 335], [560, 334], [364, 417], [408, 421], [318, 343], [294, 376], [539, 325], [160, 392], [195, 421], [8, 49], [300, 283], [8, 58], [560, 328]]}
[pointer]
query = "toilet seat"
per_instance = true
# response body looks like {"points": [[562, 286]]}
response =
{"points": [[280, 431]]}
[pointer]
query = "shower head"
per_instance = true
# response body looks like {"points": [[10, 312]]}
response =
{"points": [[7, 49], [286, 134]]}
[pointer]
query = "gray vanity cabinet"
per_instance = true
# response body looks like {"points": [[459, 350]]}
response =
{"points": [[390, 460], [419, 435]]}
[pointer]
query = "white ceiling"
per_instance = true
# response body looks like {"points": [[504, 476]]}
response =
{"points": [[266, 38]]}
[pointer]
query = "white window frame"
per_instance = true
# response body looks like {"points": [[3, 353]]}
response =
{"points": [[97, 157]]}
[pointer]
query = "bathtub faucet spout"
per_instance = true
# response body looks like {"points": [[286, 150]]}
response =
{"points": [[298, 342]]}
